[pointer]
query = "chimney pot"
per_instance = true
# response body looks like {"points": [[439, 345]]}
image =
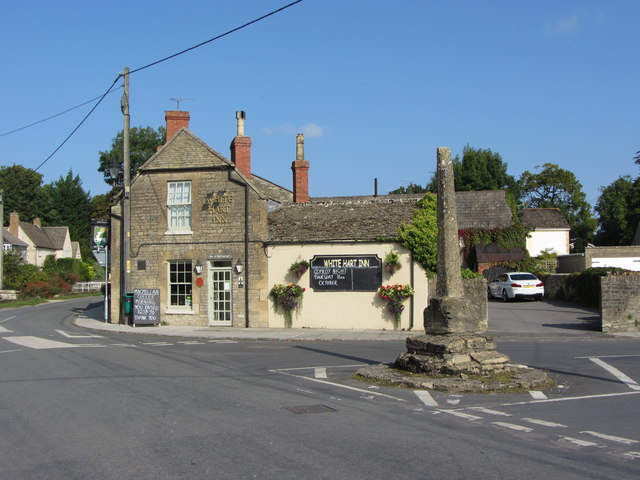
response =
{"points": [[241, 147], [300, 169]]}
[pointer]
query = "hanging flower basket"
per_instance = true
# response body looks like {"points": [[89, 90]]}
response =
{"points": [[288, 298], [299, 267], [392, 262], [395, 295]]}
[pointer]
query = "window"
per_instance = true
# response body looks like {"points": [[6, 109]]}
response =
{"points": [[180, 283], [179, 205]]}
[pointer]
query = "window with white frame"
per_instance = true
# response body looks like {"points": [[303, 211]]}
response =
{"points": [[180, 283], [179, 206]]}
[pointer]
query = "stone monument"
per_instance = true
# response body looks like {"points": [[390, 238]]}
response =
{"points": [[454, 342]]}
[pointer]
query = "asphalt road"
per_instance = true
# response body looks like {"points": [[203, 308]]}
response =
{"points": [[81, 404]]}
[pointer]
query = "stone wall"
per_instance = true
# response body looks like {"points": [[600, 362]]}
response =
{"points": [[554, 283], [620, 303]]}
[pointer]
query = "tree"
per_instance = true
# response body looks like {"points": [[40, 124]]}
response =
{"points": [[23, 193], [421, 235], [143, 143], [555, 187], [100, 207], [617, 216], [411, 188], [71, 207]]}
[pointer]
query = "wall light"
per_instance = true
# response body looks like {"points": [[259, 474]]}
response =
{"points": [[198, 267], [239, 266]]}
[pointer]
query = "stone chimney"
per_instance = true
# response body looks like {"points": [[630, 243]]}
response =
{"points": [[37, 222], [241, 148], [14, 221], [176, 119], [300, 168]]}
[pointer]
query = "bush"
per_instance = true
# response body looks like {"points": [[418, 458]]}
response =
{"points": [[37, 289]]}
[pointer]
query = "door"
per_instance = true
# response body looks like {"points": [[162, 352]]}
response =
{"points": [[220, 304]]}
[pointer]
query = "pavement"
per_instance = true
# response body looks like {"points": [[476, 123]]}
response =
{"points": [[93, 319]]}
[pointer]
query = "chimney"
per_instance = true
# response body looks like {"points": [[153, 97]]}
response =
{"points": [[300, 170], [37, 222], [14, 221], [176, 119], [241, 148]]}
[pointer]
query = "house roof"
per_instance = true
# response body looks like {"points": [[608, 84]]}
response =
{"points": [[57, 235], [11, 239], [544, 218], [37, 236], [369, 218]]}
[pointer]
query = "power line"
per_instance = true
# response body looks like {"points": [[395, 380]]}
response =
{"points": [[53, 116], [151, 65]]}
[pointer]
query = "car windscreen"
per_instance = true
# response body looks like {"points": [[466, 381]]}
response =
{"points": [[523, 276]]}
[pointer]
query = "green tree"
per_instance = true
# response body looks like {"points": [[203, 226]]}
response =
{"points": [[421, 234], [618, 212], [23, 193], [143, 143], [71, 206], [100, 207], [555, 187], [411, 188]]}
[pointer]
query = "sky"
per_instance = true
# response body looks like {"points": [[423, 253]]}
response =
{"points": [[375, 86]]}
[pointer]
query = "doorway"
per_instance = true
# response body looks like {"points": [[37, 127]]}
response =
{"points": [[220, 295]]}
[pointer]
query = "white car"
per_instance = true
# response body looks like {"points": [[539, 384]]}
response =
{"points": [[511, 285]]}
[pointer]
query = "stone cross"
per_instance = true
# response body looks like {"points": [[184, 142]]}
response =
{"points": [[448, 269]]}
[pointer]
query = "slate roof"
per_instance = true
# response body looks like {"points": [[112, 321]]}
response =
{"points": [[11, 239], [493, 253], [57, 235], [544, 218], [37, 236], [369, 218]]}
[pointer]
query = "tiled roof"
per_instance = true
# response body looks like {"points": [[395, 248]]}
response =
{"points": [[57, 235], [544, 218], [37, 236], [370, 218], [493, 253]]}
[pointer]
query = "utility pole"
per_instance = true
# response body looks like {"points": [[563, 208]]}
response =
{"points": [[1, 239], [125, 262]]}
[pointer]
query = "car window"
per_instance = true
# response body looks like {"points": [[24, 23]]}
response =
{"points": [[524, 276]]}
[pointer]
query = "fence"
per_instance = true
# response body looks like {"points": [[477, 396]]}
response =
{"points": [[86, 286]]}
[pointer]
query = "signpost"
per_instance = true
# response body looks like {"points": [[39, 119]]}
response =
{"points": [[100, 243], [346, 273]]}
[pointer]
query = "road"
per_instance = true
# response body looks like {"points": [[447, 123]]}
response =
{"points": [[81, 404]]}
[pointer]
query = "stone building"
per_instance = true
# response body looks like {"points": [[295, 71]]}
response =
{"points": [[36, 242], [210, 238]]}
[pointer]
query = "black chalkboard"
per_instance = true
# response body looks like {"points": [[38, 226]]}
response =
{"points": [[146, 306], [346, 273]]}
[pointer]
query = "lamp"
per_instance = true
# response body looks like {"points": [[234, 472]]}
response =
{"points": [[239, 266], [198, 267]]}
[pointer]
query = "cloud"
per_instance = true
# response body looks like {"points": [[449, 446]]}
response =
{"points": [[310, 130], [565, 26]]}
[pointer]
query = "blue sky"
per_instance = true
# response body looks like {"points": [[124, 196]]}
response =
{"points": [[375, 86]]}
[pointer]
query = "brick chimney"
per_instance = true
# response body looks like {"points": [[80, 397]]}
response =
{"points": [[300, 170], [241, 148], [176, 119], [14, 221], [37, 222]]}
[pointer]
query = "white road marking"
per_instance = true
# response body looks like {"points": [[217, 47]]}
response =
{"points": [[5, 330], [491, 412], [513, 426], [633, 385], [122, 345], [453, 401], [537, 394], [426, 398], [39, 343], [158, 344], [11, 351], [7, 319], [292, 369], [347, 387], [77, 335], [466, 416], [569, 399], [632, 454], [577, 441], [320, 372], [611, 438], [222, 341], [191, 342], [544, 423]]}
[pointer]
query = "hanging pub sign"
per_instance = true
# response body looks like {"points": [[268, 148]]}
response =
{"points": [[346, 273], [99, 235]]}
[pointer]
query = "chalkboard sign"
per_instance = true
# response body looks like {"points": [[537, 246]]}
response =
{"points": [[146, 306], [346, 273]]}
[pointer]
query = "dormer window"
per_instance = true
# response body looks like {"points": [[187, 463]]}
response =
{"points": [[179, 206]]}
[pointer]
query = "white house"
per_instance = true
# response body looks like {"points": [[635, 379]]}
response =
{"points": [[550, 231]]}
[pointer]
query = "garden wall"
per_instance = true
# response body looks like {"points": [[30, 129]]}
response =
{"points": [[620, 303]]}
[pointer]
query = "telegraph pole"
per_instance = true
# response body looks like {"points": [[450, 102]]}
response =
{"points": [[125, 262]]}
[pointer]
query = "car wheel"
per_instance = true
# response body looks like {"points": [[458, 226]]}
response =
{"points": [[489, 296], [505, 297]]}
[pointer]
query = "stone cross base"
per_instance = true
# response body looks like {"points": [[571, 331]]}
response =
{"points": [[453, 354], [453, 315]]}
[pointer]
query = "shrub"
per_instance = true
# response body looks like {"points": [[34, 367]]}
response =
{"points": [[584, 288], [37, 289]]}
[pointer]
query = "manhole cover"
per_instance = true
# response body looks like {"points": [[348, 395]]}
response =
{"points": [[301, 409]]}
